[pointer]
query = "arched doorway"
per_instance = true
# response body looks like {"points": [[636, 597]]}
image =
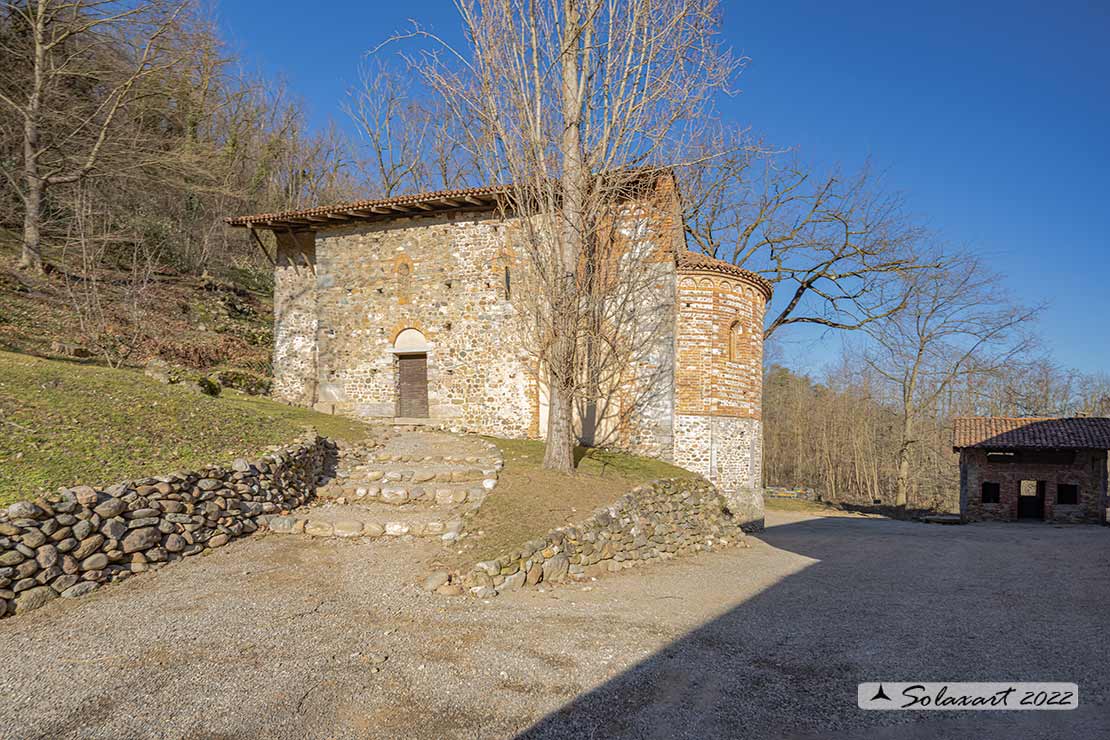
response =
{"points": [[411, 350]]}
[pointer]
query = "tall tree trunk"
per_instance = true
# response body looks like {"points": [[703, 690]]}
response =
{"points": [[559, 453], [903, 481], [31, 257], [35, 185]]}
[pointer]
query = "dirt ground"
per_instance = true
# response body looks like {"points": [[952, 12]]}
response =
{"points": [[283, 637]]}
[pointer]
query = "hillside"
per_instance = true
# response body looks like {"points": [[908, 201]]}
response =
{"points": [[66, 423], [219, 322]]}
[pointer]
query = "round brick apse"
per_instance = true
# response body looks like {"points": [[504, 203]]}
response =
{"points": [[719, 373], [719, 344]]}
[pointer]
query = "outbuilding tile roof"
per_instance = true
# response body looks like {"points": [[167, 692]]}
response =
{"points": [[1031, 433]]}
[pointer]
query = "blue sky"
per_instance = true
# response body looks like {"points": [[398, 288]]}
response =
{"points": [[993, 119]]}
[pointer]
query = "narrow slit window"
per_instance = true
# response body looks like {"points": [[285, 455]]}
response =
{"points": [[991, 493], [735, 334], [508, 284]]}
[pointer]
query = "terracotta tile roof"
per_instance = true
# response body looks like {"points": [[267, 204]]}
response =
{"points": [[995, 432], [480, 197], [484, 197], [688, 260]]}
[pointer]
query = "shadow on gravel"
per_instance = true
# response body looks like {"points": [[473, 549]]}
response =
{"points": [[886, 600]]}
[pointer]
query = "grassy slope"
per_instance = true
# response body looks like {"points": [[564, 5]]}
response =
{"points": [[530, 501], [64, 423]]}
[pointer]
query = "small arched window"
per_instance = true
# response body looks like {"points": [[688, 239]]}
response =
{"points": [[402, 269], [735, 337]]}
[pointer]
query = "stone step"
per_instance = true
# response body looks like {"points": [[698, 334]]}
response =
{"points": [[440, 494], [415, 473], [408, 482], [349, 522], [430, 458]]}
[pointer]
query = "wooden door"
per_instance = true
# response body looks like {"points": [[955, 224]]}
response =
{"points": [[412, 386]]}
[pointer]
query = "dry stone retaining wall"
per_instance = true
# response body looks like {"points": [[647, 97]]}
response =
{"points": [[656, 521], [69, 543]]}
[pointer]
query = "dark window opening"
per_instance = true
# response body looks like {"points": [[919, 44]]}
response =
{"points": [[1067, 494], [508, 284], [992, 492], [1031, 499]]}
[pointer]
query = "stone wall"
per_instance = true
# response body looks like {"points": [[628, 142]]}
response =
{"points": [[1089, 472], [69, 543], [634, 410], [656, 521], [295, 319], [443, 276]]}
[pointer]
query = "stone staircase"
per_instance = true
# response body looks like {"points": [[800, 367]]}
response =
{"points": [[407, 482]]}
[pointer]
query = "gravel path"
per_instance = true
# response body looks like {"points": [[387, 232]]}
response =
{"points": [[283, 637]]}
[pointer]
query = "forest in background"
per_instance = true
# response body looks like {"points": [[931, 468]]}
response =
{"points": [[129, 130], [837, 433]]}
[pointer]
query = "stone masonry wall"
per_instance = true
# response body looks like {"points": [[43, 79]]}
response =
{"points": [[295, 319], [692, 336], [718, 385], [443, 276], [726, 450], [650, 229], [1089, 472], [635, 411], [69, 543], [656, 521]]}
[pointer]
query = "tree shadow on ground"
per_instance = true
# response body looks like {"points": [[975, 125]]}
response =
{"points": [[884, 601]]}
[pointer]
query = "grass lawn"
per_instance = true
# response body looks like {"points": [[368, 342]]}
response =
{"points": [[65, 423], [530, 501]]}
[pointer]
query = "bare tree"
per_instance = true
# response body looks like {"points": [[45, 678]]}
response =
{"points": [[565, 95], [836, 246], [411, 142], [79, 67], [111, 321], [394, 128], [957, 325]]}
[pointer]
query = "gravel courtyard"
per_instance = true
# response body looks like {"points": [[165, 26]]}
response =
{"points": [[285, 637]]}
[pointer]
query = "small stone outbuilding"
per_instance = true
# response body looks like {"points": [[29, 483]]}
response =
{"points": [[409, 307], [1033, 468]]}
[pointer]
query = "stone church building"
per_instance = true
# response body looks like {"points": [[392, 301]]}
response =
{"points": [[405, 308]]}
